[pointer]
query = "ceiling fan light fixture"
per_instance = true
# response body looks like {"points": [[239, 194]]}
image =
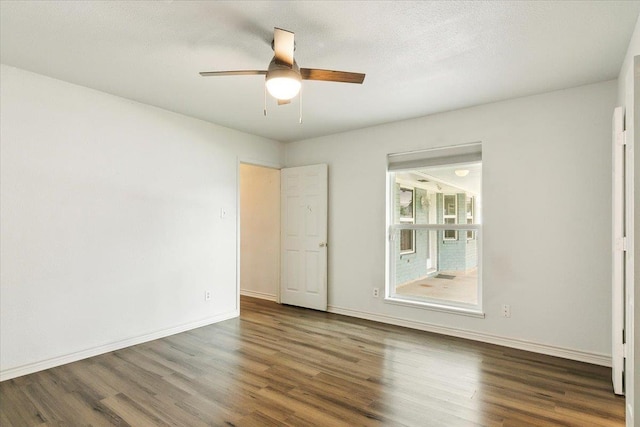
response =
{"points": [[462, 172], [283, 88], [283, 81], [283, 78]]}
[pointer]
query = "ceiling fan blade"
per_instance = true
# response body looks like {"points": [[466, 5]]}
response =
{"points": [[331, 75], [284, 101], [233, 73], [283, 46]]}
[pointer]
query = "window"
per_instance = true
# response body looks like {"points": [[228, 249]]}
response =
{"points": [[434, 213], [450, 215], [407, 216], [470, 208], [407, 237]]}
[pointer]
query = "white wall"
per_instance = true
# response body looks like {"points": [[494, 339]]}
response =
{"points": [[627, 86], [547, 203], [111, 228], [260, 231]]}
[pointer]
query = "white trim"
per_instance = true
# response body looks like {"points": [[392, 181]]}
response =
{"points": [[261, 295], [238, 230], [445, 307], [618, 255], [566, 353], [630, 373], [30, 368]]}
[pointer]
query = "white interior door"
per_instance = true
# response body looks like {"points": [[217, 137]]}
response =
{"points": [[619, 247], [303, 279]]}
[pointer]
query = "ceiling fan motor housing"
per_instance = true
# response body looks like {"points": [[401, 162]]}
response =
{"points": [[279, 69]]}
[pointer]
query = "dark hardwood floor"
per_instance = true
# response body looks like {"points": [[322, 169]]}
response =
{"points": [[286, 366]]}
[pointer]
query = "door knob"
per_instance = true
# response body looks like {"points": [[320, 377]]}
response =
{"points": [[323, 245]]}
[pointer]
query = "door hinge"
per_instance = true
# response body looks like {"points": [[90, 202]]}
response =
{"points": [[624, 351], [621, 244], [621, 138]]}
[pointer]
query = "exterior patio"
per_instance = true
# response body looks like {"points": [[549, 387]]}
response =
{"points": [[456, 286]]}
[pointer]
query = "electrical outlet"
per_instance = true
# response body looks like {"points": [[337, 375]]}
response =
{"points": [[506, 310], [207, 295], [376, 292]]}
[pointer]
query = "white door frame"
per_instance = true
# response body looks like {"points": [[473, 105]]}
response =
{"points": [[619, 243]]}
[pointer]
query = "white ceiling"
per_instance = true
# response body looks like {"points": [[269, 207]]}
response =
{"points": [[420, 57]]}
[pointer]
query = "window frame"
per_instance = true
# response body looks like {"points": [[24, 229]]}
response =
{"points": [[471, 235], [408, 220], [449, 216], [413, 160]]}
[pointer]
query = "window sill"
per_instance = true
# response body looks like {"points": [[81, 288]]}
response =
{"points": [[436, 307]]}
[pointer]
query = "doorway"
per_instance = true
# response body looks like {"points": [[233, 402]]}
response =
{"points": [[259, 231]]}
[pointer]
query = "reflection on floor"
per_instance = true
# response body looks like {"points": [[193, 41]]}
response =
{"points": [[458, 286]]}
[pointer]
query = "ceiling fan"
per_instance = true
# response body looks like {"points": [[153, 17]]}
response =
{"points": [[283, 77]]}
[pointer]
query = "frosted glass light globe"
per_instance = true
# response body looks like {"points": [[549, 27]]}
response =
{"points": [[283, 88]]}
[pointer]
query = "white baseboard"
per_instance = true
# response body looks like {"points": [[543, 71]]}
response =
{"points": [[256, 294], [581, 356], [578, 355], [30, 368]]}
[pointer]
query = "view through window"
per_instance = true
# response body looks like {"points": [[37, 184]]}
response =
{"points": [[435, 238]]}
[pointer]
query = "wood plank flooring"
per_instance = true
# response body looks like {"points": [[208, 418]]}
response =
{"points": [[287, 366]]}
